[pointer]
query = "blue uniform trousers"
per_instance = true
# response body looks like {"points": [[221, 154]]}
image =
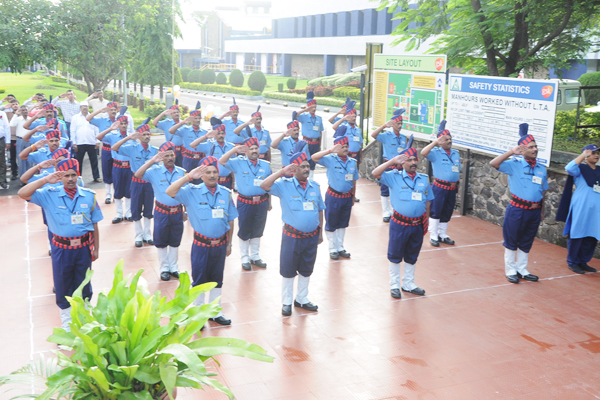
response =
{"points": [[520, 227], [405, 242], [297, 255], [107, 166], [208, 264], [581, 250], [179, 158], [337, 212], [252, 219], [312, 149], [189, 164], [168, 229], [122, 182], [142, 200], [443, 204], [68, 268]]}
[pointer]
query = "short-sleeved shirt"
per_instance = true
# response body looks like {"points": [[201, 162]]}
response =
{"points": [[60, 208], [230, 126], [62, 127], [299, 207], [102, 123], [161, 178], [48, 171], [584, 212], [340, 174], [285, 146], [188, 134], [312, 126], [263, 136], [392, 144], [249, 176], [217, 151], [113, 137], [40, 156], [167, 124], [409, 197], [445, 167], [523, 181], [209, 214], [355, 137], [136, 154]]}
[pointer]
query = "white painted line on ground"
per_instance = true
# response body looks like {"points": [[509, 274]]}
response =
{"points": [[27, 247]]}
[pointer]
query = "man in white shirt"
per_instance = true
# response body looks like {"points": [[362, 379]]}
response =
{"points": [[97, 101], [16, 126], [83, 135], [4, 145], [68, 106]]}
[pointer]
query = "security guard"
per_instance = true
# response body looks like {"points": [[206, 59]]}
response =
{"points": [[351, 131], [288, 140], [342, 173], [312, 128], [257, 131], [446, 173], [411, 197], [253, 203], [302, 213], [336, 117], [168, 212], [43, 117], [189, 133], [142, 195], [174, 113], [581, 209], [37, 152], [39, 133], [393, 143], [218, 147], [211, 212], [232, 123], [73, 215], [527, 181]]}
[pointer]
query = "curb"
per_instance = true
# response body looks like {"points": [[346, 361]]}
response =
{"points": [[217, 94]]}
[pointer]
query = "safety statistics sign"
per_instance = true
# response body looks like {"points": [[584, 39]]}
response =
{"points": [[484, 113], [416, 83]]}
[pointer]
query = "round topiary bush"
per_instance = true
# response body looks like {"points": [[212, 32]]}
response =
{"points": [[2, 90], [185, 71], [221, 79], [207, 76], [236, 78], [592, 96], [257, 81], [291, 83], [194, 75]]}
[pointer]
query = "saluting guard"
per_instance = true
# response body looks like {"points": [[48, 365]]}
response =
{"points": [[312, 128], [232, 123], [172, 114], [189, 133], [288, 140], [259, 132]]}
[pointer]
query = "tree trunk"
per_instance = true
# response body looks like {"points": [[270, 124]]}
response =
{"points": [[151, 94], [161, 91], [134, 87]]}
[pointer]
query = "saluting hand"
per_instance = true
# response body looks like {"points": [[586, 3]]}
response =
{"points": [[135, 136], [242, 149], [519, 150], [343, 110], [158, 157], [39, 114], [198, 172], [38, 145], [289, 132], [389, 124], [211, 134], [252, 121], [42, 128], [401, 159], [188, 120], [289, 169], [47, 163], [336, 148], [115, 125], [55, 177], [587, 153]]}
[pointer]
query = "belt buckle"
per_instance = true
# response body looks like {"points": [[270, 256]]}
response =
{"points": [[535, 206], [214, 242], [256, 199], [75, 242], [416, 222], [173, 211]]}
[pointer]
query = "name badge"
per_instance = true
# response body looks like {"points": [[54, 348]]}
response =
{"points": [[417, 196], [316, 128], [356, 138], [76, 219], [455, 168], [308, 206], [400, 149], [597, 188], [257, 182], [349, 177], [537, 180], [217, 213], [263, 142]]}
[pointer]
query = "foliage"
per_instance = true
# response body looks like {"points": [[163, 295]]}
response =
{"points": [[346, 91], [219, 88], [135, 346], [2, 90], [194, 75], [323, 101], [280, 87], [221, 79], [184, 73], [257, 81], [498, 37], [155, 110], [336, 80], [236, 78], [58, 79], [564, 130], [323, 91], [291, 83], [592, 96], [207, 76]]}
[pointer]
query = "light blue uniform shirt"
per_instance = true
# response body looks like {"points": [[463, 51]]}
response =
{"points": [[285, 146], [203, 209], [336, 119], [136, 154], [263, 136], [40, 156], [102, 123], [355, 138], [165, 125], [299, 207], [446, 168], [44, 173], [113, 137], [59, 208], [160, 178], [311, 126], [521, 179], [62, 127], [188, 134], [402, 187], [392, 144], [340, 175], [217, 151], [248, 176], [230, 126], [584, 213]]}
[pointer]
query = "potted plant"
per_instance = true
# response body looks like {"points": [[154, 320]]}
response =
{"points": [[133, 345]]}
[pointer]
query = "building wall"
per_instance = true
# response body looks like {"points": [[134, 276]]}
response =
{"points": [[341, 65], [307, 66], [187, 60]]}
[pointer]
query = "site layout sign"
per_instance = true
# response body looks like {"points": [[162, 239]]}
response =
{"points": [[484, 113], [416, 83]]}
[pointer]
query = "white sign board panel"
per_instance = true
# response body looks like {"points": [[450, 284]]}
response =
{"points": [[484, 113]]}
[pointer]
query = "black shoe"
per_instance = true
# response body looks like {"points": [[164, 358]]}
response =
{"points": [[165, 276], [418, 291], [149, 241], [174, 274], [3, 185], [259, 263], [286, 310], [344, 254], [577, 269], [334, 256], [221, 320], [395, 293], [246, 266], [356, 200], [512, 278], [138, 243], [587, 268], [386, 219], [14, 178], [434, 243], [98, 180], [528, 277], [307, 306], [129, 219], [117, 220], [53, 289], [49, 252], [107, 200], [447, 240]]}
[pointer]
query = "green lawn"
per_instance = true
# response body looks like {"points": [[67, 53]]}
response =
{"points": [[272, 82]]}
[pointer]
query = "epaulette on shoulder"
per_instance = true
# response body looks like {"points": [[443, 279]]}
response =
{"points": [[316, 183], [225, 188], [53, 188], [87, 190]]}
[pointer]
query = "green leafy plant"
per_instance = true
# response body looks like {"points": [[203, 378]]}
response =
{"points": [[219, 88], [2, 90], [592, 96], [155, 110], [257, 81], [291, 83], [345, 91], [194, 75], [280, 87], [221, 79], [207, 76], [133, 345], [236, 78], [59, 79], [322, 101], [185, 72]]}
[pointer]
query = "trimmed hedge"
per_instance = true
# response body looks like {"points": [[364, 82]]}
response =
{"points": [[592, 96], [184, 73], [291, 83], [347, 91], [194, 75], [323, 101], [207, 76], [564, 125], [335, 80], [219, 88], [236, 78], [221, 79], [257, 81], [59, 79]]}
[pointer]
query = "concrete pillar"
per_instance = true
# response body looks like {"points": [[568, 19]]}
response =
{"points": [[264, 62], [239, 61], [286, 64], [328, 65]]}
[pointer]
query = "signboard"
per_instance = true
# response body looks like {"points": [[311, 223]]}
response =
{"points": [[416, 83], [484, 113]]}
